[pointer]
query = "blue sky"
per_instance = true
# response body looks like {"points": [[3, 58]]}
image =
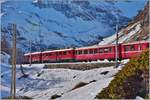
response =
{"points": [[128, 8]]}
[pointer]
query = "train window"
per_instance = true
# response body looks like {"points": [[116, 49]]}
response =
{"points": [[126, 48], [129, 48], [101, 50], [132, 47], [91, 51], [60, 53], [64, 53], [139, 47], [69, 52], [76, 52], [110, 49], [95, 51], [57, 53], [147, 45], [85, 51], [80, 52], [106, 50]]}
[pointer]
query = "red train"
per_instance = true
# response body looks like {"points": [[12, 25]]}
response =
{"points": [[92, 53]]}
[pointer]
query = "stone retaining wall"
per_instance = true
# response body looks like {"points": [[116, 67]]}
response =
{"points": [[81, 66]]}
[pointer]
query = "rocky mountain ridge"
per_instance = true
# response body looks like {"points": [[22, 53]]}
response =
{"points": [[136, 30]]}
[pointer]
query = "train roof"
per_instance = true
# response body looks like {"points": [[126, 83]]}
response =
{"points": [[95, 46], [136, 42], [48, 51], [101, 46], [32, 53], [88, 47], [57, 50]]}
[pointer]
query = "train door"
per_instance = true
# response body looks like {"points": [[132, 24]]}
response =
{"points": [[40, 58], [119, 52], [74, 54], [144, 46], [59, 54]]}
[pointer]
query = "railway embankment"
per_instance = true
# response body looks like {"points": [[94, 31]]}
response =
{"points": [[79, 66]]}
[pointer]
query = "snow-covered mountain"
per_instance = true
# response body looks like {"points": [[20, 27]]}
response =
{"points": [[64, 23], [136, 30]]}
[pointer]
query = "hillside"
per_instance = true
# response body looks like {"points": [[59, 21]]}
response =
{"points": [[136, 30], [131, 81]]}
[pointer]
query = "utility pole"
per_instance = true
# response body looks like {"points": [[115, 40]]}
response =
{"points": [[13, 80], [116, 47], [30, 53], [40, 33], [140, 35]]}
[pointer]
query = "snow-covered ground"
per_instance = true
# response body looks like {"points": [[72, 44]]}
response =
{"points": [[4, 57], [43, 83]]}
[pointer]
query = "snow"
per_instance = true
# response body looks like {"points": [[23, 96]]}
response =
{"points": [[4, 57], [42, 24], [43, 83], [125, 61], [139, 98], [35, 1], [1, 14], [2, 1], [136, 27], [5, 70], [127, 36], [87, 92], [5, 91]]}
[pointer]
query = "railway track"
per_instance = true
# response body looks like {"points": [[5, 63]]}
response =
{"points": [[79, 66]]}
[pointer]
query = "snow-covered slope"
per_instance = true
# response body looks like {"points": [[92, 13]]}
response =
{"points": [[5, 69], [63, 23], [122, 36], [44, 83], [4, 57], [136, 30]]}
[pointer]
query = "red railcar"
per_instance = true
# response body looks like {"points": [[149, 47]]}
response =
{"points": [[97, 53], [26, 58], [35, 57], [125, 51], [129, 50], [58, 55]]}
